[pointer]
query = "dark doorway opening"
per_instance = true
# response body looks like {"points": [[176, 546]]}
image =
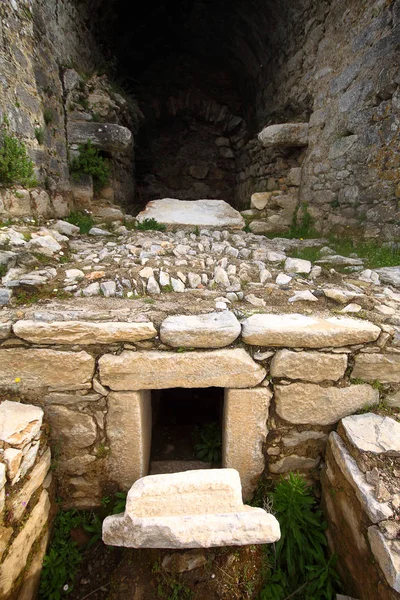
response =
{"points": [[187, 427]]}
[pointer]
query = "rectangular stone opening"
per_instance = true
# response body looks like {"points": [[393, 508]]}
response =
{"points": [[181, 418]]}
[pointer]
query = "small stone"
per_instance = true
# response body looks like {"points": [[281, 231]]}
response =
{"points": [[351, 308], [177, 285], [66, 228], [221, 276], [303, 296], [108, 288], [294, 463], [283, 279], [5, 296], [297, 265], [255, 301], [99, 231], [164, 279], [152, 286], [92, 290]]}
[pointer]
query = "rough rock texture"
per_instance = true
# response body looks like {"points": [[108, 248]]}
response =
{"points": [[314, 405], [161, 370], [75, 429], [19, 423], [387, 555], [243, 447], [201, 213], [308, 332], [373, 433], [105, 136], [381, 367], [214, 330], [285, 134], [80, 332], [195, 509], [310, 366], [41, 368], [128, 427]]}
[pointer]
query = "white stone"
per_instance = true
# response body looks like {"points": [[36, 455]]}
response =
{"points": [[194, 509], [351, 308], [146, 272], [73, 275], [5, 329], [283, 279], [297, 265], [12, 460], [284, 134], [152, 286], [293, 463], [294, 330], [243, 446], [200, 213], [387, 554], [99, 231], [39, 368], [259, 200], [66, 228], [221, 276], [365, 492], [162, 370], [164, 279], [19, 423], [108, 288], [92, 289], [309, 366], [310, 404], [177, 285], [76, 429], [303, 296], [21, 499], [194, 280], [213, 330], [128, 427], [255, 300], [390, 275], [381, 367], [45, 244], [275, 256], [83, 332], [373, 433]]}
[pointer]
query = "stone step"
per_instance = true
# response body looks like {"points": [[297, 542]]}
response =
{"points": [[196, 213], [193, 509]]}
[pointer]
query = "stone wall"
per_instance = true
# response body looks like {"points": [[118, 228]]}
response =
{"points": [[361, 497], [109, 361], [25, 505]]}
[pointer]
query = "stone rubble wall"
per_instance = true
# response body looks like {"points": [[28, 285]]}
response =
{"points": [[25, 498], [360, 490], [91, 376]]}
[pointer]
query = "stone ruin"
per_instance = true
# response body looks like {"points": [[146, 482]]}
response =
{"points": [[114, 344]]}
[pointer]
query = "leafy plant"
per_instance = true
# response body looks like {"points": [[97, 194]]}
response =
{"points": [[299, 566], [39, 135], [150, 224], [15, 164], [209, 448], [90, 162], [82, 220], [48, 116]]}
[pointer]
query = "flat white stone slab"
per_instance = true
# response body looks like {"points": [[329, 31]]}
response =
{"points": [[19, 423], [197, 213], [294, 330], [365, 492], [373, 433], [387, 554], [194, 509], [214, 330]]}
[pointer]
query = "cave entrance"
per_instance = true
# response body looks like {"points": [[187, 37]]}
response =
{"points": [[187, 429]]}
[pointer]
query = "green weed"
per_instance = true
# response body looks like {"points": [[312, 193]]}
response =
{"points": [[150, 224], [39, 135], [48, 116], [3, 270], [82, 220], [209, 447], [90, 162], [375, 254], [15, 165]]}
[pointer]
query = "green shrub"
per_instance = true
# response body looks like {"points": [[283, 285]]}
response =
{"points": [[82, 220], [209, 448], [48, 116], [299, 566], [15, 165], [89, 162], [39, 135], [150, 224]]}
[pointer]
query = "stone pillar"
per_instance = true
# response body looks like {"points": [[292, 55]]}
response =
{"points": [[129, 436], [244, 432]]}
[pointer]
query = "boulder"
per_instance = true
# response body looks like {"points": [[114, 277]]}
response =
{"points": [[198, 213], [389, 275], [81, 332], [293, 330], [161, 370], [105, 136], [213, 330], [311, 404], [310, 366], [297, 265], [284, 134]]}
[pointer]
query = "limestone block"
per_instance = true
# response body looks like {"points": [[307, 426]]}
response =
{"points": [[29, 588], [382, 367], [365, 492], [201, 213], [41, 204], [373, 433], [105, 136], [294, 176], [156, 370], [81, 332], [44, 244], [21, 546], [5, 535], [243, 446], [12, 460], [310, 366], [295, 330], [195, 509], [213, 330], [308, 403], [297, 265], [39, 368], [387, 554], [19, 423], [390, 275], [284, 134], [128, 427], [293, 463], [74, 429], [24, 494], [18, 203], [260, 200]]}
